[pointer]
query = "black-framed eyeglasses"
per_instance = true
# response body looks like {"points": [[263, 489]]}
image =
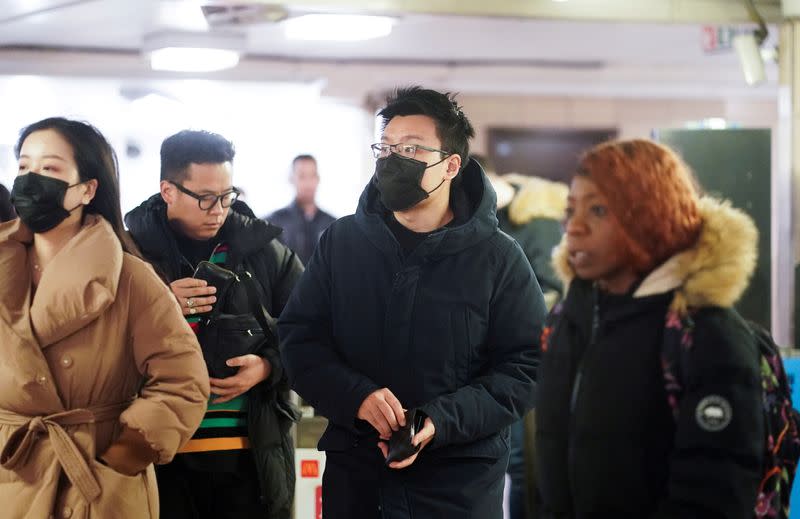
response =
{"points": [[381, 149], [206, 202]]}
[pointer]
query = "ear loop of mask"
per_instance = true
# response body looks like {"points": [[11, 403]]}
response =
{"points": [[65, 194], [442, 182]]}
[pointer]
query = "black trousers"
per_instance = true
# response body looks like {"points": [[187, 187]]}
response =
{"points": [[188, 493], [357, 485], [350, 484]]}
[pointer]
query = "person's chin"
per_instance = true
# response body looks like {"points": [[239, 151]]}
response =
{"points": [[585, 272], [205, 233]]}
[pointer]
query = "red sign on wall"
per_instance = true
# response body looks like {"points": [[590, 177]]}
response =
{"points": [[309, 469], [319, 502]]}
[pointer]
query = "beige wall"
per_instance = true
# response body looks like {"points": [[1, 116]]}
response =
{"points": [[631, 117]]}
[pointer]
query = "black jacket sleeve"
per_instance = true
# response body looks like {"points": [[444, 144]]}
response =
{"points": [[282, 274], [278, 218], [505, 391], [6, 208], [315, 368], [288, 270], [715, 473], [544, 235]]}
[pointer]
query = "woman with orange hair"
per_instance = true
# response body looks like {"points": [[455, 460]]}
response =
{"points": [[642, 248]]}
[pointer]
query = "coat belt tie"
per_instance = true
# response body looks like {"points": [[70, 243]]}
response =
{"points": [[30, 429]]}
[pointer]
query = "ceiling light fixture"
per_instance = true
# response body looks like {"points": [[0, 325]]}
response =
{"points": [[193, 52], [337, 27], [748, 48]]}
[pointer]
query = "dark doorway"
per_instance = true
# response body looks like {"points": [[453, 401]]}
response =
{"points": [[542, 152]]}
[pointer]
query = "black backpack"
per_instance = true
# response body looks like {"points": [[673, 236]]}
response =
{"points": [[238, 323], [781, 420]]}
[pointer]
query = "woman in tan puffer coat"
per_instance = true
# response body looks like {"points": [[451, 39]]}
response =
{"points": [[100, 376]]}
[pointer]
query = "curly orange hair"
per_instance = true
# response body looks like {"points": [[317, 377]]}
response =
{"points": [[651, 192]]}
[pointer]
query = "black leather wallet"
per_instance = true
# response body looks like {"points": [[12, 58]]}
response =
{"points": [[400, 446], [214, 275]]}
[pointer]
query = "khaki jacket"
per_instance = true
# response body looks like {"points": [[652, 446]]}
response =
{"points": [[102, 343]]}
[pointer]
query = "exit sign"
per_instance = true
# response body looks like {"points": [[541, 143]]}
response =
{"points": [[718, 38]]}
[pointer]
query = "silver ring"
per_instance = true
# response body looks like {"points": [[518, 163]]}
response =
{"points": [[192, 311], [189, 302]]}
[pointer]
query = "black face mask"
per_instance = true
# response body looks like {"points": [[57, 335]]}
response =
{"points": [[399, 179], [39, 201]]}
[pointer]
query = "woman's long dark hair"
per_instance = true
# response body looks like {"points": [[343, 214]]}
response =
{"points": [[95, 159]]}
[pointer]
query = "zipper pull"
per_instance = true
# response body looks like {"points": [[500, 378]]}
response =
{"points": [[214, 251], [595, 313]]}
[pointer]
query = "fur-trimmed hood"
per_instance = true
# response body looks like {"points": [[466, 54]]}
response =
{"points": [[530, 197], [715, 271]]}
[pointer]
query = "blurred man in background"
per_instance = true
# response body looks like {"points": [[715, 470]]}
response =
{"points": [[302, 221]]}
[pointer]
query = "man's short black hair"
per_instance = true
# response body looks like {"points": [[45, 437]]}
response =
{"points": [[304, 156], [452, 126], [192, 147]]}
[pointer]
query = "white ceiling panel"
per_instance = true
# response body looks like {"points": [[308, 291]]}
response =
{"points": [[486, 53]]}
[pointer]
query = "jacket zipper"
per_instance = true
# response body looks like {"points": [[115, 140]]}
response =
{"points": [[214, 251], [194, 267], [573, 402], [592, 338]]}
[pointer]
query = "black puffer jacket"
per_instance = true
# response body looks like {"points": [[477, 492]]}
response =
{"points": [[253, 247], [532, 216], [6, 208], [452, 329], [609, 442]]}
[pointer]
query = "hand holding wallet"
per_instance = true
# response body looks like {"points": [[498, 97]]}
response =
{"points": [[400, 446], [216, 276]]}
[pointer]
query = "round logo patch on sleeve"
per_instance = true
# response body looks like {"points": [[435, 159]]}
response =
{"points": [[713, 413]]}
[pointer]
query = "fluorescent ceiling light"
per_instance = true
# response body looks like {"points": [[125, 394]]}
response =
{"points": [[337, 27], [193, 59], [716, 123], [193, 52], [748, 48]]}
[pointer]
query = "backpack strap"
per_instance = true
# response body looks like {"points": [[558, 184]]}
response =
{"points": [[266, 321], [676, 345]]}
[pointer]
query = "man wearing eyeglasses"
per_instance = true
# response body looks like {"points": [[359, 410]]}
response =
{"points": [[417, 304], [229, 467]]}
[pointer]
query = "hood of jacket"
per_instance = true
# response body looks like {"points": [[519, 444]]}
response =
{"points": [[529, 198], [148, 225], [715, 271], [474, 192]]}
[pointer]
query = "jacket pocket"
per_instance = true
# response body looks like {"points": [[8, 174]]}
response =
{"points": [[337, 439], [286, 411], [492, 447], [121, 495], [462, 345]]}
